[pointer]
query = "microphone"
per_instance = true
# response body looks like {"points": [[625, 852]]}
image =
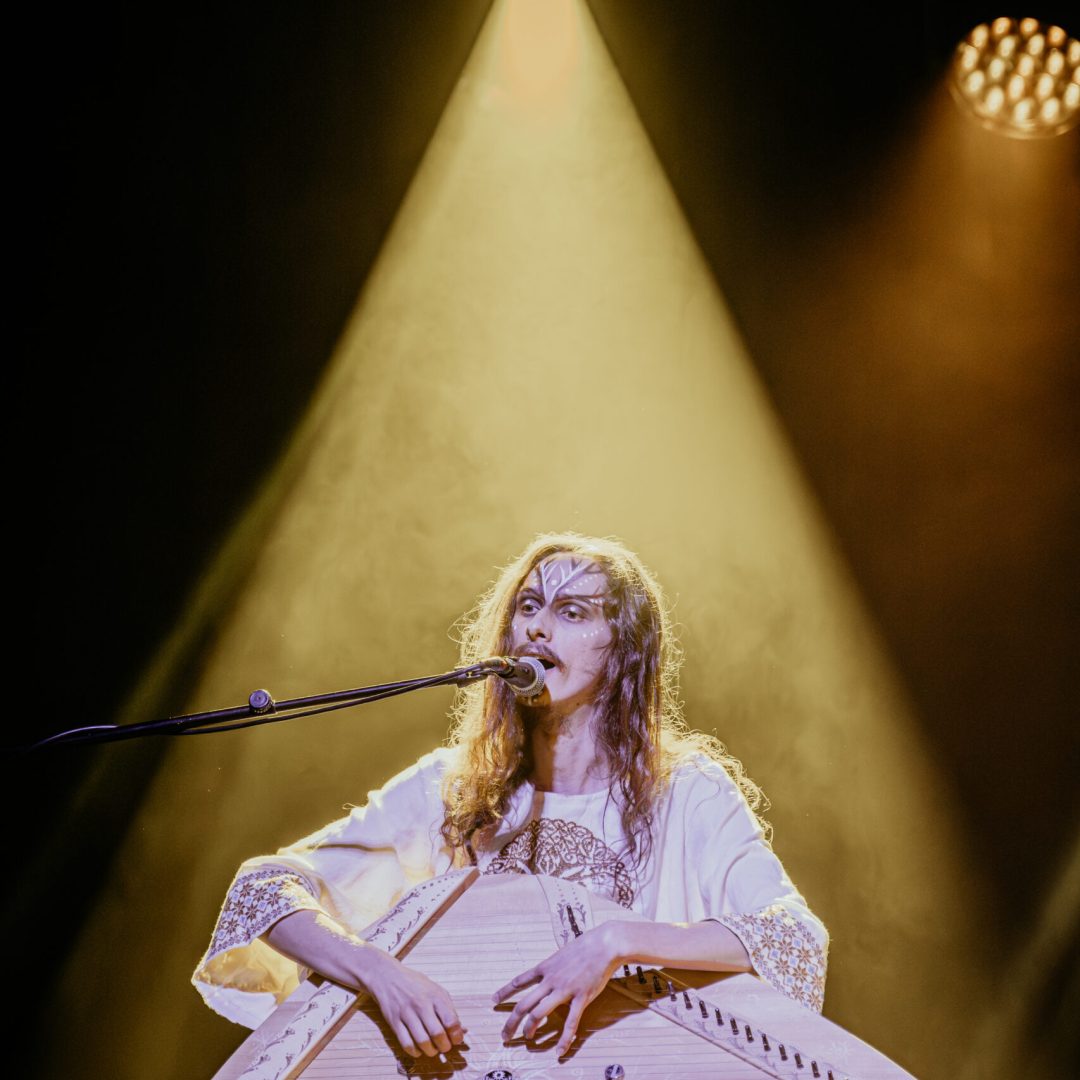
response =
{"points": [[525, 674]]}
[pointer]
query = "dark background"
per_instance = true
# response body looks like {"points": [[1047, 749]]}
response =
{"points": [[199, 201]]}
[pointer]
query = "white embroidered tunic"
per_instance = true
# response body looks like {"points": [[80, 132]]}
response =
{"points": [[709, 861]]}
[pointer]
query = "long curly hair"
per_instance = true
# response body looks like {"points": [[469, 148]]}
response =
{"points": [[638, 725]]}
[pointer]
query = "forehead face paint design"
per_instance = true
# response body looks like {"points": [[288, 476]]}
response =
{"points": [[556, 572]]}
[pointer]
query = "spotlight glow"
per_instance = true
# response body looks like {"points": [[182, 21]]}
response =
{"points": [[1019, 63]]}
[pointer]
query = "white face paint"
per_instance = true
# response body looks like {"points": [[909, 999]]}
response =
{"points": [[559, 617]]}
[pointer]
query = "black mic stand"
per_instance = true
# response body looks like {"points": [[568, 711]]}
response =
{"points": [[263, 709]]}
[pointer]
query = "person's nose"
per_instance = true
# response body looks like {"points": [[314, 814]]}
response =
{"points": [[537, 627]]}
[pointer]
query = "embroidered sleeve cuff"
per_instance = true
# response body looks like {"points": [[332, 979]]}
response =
{"points": [[785, 952], [257, 900], [241, 977]]}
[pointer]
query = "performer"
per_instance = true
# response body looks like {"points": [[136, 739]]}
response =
{"points": [[597, 780]]}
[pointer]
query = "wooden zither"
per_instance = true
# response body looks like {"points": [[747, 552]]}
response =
{"points": [[473, 933]]}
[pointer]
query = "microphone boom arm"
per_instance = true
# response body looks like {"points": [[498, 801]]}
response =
{"points": [[261, 707]]}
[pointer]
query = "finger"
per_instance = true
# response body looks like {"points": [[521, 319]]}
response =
{"points": [[521, 1010], [450, 1021], [533, 1023], [573, 1018], [539, 1013], [518, 982], [419, 1034], [406, 1039], [434, 1027]]}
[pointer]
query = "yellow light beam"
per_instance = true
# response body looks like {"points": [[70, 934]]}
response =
{"points": [[541, 345]]}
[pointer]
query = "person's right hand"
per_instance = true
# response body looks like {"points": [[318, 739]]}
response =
{"points": [[419, 1011]]}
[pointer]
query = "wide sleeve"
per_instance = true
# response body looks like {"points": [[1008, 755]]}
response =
{"points": [[354, 869], [743, 885]]}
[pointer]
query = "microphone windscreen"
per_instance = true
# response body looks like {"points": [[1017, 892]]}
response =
{"points": [[527, 678]]}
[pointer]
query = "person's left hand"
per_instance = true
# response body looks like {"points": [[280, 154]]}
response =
{"points": [[575, 974]]}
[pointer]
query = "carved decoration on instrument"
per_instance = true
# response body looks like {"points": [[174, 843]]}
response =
{"points": [[292, 1042], [571, 912], [487, 1057], [412, 909], [567, 850], [784, 953]]}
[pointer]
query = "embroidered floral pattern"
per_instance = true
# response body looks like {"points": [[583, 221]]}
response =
{"points": [[566, 850], [784, 953], [255, 902]]}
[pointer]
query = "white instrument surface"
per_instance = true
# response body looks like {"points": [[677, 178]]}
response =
{"points": [[472, 934]]}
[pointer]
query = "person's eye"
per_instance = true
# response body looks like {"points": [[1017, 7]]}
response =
{"points": [[528, 606], [574, 613]]}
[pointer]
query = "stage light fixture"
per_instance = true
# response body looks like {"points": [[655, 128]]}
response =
{"points": [[1019, 77]]}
